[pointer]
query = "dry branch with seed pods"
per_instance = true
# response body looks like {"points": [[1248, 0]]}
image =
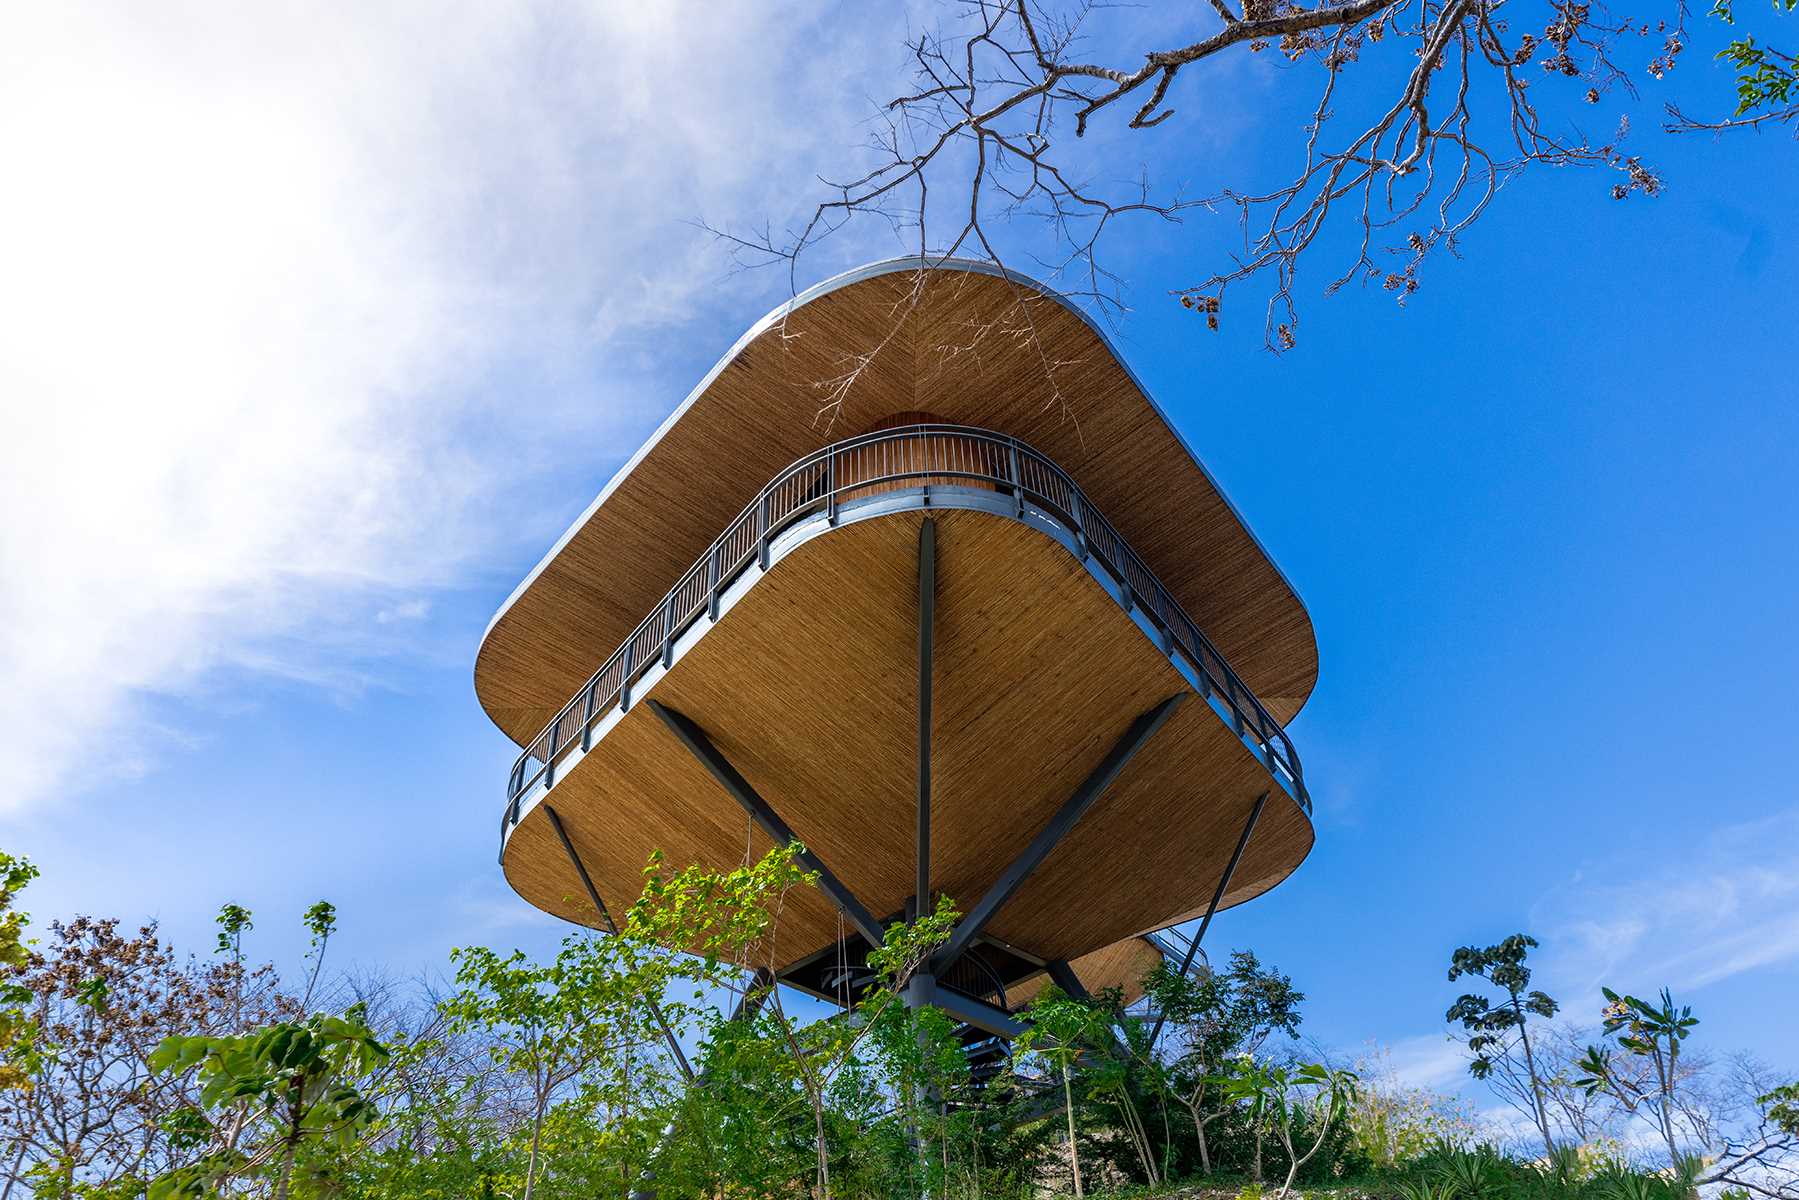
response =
{"points": [[1423, 110]]}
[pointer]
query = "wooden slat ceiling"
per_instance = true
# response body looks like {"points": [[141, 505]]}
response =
{"points": [[971, 348], [808, 685]]}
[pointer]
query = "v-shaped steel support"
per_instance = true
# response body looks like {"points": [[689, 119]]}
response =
{"points": [[1072, 810], [770, 822], [593, 894]]}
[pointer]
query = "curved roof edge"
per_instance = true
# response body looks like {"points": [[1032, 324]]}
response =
{"points": [[888, 266]]}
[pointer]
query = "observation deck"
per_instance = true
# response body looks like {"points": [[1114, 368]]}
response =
{"points": [[1011, 645]]}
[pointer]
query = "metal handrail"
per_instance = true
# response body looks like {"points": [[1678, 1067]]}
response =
{"points": [[925, 455]]}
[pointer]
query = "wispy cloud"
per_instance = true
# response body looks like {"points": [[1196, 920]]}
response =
{"points": [[1697, 916], [1429, 1060], [296, 295]]}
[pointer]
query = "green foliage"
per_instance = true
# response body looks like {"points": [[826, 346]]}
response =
{"points": [[233, 922], [1213, 1016], [1766, 78], [556, 1080], [17, 1053], [1782, 1107], [1648, 1032], [1487, 1022], [1391, 1125], [281, 1094], [1491, 1025], [571, 1034], [1295, 1103]]}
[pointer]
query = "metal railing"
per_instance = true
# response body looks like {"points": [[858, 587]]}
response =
{"points": [[890, 460]]}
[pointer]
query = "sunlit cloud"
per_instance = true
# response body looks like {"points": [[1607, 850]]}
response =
{"points": [[301, 301]]}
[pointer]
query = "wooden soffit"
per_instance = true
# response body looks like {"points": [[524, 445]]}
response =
{"points": [[963, 342], [807, 686]]}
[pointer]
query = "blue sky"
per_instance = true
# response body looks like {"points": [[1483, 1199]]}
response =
{"points": [[323, 332]]}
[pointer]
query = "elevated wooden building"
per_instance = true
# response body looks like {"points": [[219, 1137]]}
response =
{"points": [[982, 627]]}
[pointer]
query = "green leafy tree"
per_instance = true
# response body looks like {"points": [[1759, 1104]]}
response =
{"points": [[301, 1082], [1216, 1016], [576, 1023], [1782, 1107], [15, 1043], [1652, 1033], [1061, 1029], [1292, 1103], [1767, 79], [1491, 1025], [730, 920], [321, 922], [1126, 1074]]}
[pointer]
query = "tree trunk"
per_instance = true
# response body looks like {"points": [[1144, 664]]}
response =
{"points": [[531, 1162], [1294, 1164], [1074, 1155], [1199, 1134], [1666, 1078], [287, 1170], [1536, 1085]]}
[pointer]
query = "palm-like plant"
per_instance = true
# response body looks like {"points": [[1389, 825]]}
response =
{"points": [[1426, 1188], [1476, 1174], [1653, 1032], [1277, 1096], [1621, 1183]]}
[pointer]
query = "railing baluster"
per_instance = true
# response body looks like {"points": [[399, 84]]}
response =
{"points": [[762, 533], [1016, 476], [712, 580], [831, 487]]}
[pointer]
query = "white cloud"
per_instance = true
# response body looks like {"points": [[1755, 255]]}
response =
{"points": [[1694, 917], [295, 296], [1429, 1060]]}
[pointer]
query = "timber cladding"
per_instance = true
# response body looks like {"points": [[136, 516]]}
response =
{"points": [[808, 685], [965, 347]]}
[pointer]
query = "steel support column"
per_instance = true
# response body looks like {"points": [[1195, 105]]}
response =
{"points": [[922, 990], [1076, 806], [1224, 881], [593, 894], [700, 746], [927, 642]]}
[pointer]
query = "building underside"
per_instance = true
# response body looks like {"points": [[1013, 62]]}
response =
{"points": [[931, 653]]}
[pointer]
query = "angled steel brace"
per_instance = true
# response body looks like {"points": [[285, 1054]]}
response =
{"points": [[728, 777], [1063, 976], [755, 995], [1076, 806], [1224, 881], [593, 894]]}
